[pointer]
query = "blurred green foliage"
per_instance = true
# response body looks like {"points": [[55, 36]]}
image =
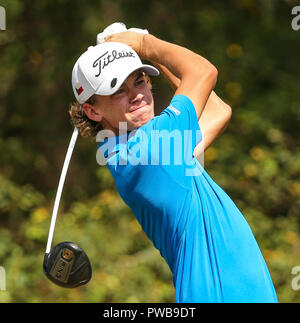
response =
{"points": [[256, 161]]}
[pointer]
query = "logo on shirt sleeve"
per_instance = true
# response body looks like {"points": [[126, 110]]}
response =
{"points": [[177, 112]]}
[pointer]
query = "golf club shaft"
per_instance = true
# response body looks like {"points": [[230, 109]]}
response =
{"points": [[60, 188]]}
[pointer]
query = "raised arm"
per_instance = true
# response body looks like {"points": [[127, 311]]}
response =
{"points": [[214, 118], [196, 74]]}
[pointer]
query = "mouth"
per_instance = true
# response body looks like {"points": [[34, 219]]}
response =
{"points": [[137, 108]]}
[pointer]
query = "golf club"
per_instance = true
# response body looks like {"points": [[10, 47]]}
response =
{"points": [[66, 264]]}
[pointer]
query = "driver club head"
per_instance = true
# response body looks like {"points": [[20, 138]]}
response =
{"points": [[67, 265]]}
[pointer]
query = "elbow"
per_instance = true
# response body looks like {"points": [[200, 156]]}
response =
{"points": [[211, 75], [227, 113], [214, 74], [205, 71]]}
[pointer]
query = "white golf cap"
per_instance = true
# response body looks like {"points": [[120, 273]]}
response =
{"points": [[103, 68]]}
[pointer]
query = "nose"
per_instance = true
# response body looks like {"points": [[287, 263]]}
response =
{"points": [[135, 95]]}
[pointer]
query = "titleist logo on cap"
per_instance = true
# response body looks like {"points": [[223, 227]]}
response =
{"points": [[105, 59]]}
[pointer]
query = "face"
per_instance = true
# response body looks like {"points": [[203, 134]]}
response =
{"points": [[132, 103]]}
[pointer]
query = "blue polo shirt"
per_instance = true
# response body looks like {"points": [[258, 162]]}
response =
{"points": [[195, 225]]}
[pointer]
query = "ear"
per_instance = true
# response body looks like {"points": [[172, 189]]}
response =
{"points": [[91, 112]]}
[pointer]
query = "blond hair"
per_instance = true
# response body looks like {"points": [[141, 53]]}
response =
{"points": [[87, 127]]}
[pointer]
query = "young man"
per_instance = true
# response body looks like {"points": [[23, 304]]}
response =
{"points": [[197, 228]]}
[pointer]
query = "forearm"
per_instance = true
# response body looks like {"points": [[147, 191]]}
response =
{"points": [[178, 60], [189, 73], [213, 121], [170, 77]]}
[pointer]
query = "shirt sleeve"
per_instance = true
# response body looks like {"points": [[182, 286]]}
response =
{"points": [[180, 116]]}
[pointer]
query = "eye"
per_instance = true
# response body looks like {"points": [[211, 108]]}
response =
{"points": [[120, 91], [140, 81]]}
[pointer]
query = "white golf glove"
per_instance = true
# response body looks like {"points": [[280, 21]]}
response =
{"points": [[115, 28]]}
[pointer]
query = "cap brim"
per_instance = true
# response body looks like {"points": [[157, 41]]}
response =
{"points": [[104, 89], [150, 70]]}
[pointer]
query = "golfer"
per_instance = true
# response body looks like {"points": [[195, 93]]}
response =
{"points": [[195, 225]]}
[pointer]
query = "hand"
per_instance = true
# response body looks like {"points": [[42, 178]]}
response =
{"points": [[132, 39]]}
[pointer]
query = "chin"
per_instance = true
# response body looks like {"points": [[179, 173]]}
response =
{"points": [[136, 125], [141, 122]]}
